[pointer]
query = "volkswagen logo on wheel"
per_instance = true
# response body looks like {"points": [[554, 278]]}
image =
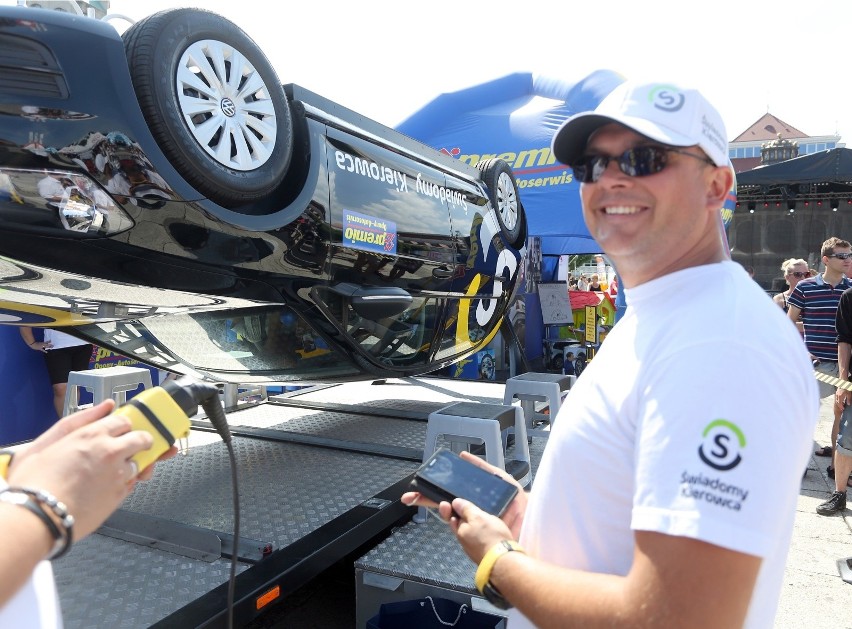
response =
{"points": [[228, 107]]}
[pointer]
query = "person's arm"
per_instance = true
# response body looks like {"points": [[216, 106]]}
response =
{"points": [[84, 461], [29, 339], [843, 325], [24, 543], [659, 591], [793, 312], [842, 397]]}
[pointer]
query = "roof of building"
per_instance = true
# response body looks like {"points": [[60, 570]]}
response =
{"points": [[768, 127]]}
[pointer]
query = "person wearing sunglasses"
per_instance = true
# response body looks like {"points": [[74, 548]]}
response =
{"points": [[794, 271], [814, 302], [680, 527]]}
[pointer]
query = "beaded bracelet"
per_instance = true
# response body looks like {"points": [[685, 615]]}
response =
{"points": [[60, 545], [44, 498]]}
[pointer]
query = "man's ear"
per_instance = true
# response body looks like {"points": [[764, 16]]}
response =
{"points": [[721, 180]]}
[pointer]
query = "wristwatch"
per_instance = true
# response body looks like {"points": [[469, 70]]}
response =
{"points": [[483, 572]]}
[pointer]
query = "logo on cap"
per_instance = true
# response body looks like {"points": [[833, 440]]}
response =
{"points": [[666, 98]]}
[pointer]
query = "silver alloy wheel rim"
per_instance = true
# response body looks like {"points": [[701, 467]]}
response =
{"points": [[226, 105], [507, 201]]}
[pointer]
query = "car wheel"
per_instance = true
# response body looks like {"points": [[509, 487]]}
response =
{"points": [[503, 194], [556, 362], [213, 102]]}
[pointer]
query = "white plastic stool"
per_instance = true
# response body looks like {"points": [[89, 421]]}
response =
{"points": [[112, 382], [467, 423], [534, 387], [232, 395]]}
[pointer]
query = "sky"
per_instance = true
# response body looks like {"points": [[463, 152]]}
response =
{"points": [[386, 59]]}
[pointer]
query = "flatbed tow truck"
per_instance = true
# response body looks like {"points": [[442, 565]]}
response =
{"points": [[320, 471]]}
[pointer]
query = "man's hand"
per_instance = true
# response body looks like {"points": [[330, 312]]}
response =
{"points": [[476, 530], [514, 514], [842, 398]]}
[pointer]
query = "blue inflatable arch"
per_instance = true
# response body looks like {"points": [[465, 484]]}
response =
{"points": [[514, 118]]}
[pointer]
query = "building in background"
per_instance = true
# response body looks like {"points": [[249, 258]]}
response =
{"points": [[745, 150], [793, 192]]}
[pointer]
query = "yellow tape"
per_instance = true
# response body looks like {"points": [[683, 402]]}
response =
{"points": [[837, 382]]}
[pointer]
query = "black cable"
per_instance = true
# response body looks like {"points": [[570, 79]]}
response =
{"points": [[233, 575], [211, 405], [509, 334], [188, 394]]}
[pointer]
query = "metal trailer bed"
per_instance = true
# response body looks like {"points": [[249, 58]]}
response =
{"points": [[320, 475]]}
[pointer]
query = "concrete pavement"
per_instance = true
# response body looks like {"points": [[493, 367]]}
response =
{"points": [[814, 595]]}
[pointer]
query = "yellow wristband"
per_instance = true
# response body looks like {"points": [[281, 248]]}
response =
{"points": [[5, 462], [483, 572]]}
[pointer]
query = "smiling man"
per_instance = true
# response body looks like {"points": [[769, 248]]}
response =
{"points": [[701, 387]]}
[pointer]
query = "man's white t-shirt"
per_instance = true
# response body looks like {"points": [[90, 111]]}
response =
{"points": [[36, 604], [700, 394]]}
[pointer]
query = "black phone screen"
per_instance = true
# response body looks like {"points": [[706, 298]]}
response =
{"points": [[445, 475]]}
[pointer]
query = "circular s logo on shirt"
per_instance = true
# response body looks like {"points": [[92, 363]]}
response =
{"points": [[721, 445]]}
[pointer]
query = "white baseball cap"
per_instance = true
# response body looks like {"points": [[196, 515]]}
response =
{"points": [[662, 112]]}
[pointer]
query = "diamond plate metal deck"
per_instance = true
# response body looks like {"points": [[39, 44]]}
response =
{"points": [[288, 492]]}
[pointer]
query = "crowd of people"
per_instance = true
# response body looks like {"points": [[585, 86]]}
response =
{"points": [[819, 307], [591, 282]]}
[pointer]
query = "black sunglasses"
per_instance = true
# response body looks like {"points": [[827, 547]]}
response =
{"points": [[640, 161], [799, 274], [840, 256]]}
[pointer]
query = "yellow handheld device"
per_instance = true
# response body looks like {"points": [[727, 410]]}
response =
{"points": [[155, 411]]}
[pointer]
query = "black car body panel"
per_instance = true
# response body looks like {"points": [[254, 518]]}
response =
{"points": [[374, 256]]}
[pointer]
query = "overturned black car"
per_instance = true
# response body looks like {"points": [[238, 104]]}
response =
{"points": [[165, 197]]}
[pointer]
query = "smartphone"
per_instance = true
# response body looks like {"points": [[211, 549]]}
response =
{"points": [[445, 475]]}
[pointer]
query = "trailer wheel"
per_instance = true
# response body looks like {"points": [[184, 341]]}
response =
{"points": [[503, 193], [213, 102]]}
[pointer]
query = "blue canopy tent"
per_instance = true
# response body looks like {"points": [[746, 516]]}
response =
{"points": [[514, 118]]}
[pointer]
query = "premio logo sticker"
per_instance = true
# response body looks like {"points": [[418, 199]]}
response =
{"points": [[721, 446]]}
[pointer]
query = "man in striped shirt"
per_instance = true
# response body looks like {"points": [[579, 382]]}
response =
{"points": [[816, 301]]}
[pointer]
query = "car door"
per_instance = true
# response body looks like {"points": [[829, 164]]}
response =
{"points": [[390, 241]]}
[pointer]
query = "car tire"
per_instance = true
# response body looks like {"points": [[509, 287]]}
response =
{"points": [[234, 147], [503, 193], [556, 362]]}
